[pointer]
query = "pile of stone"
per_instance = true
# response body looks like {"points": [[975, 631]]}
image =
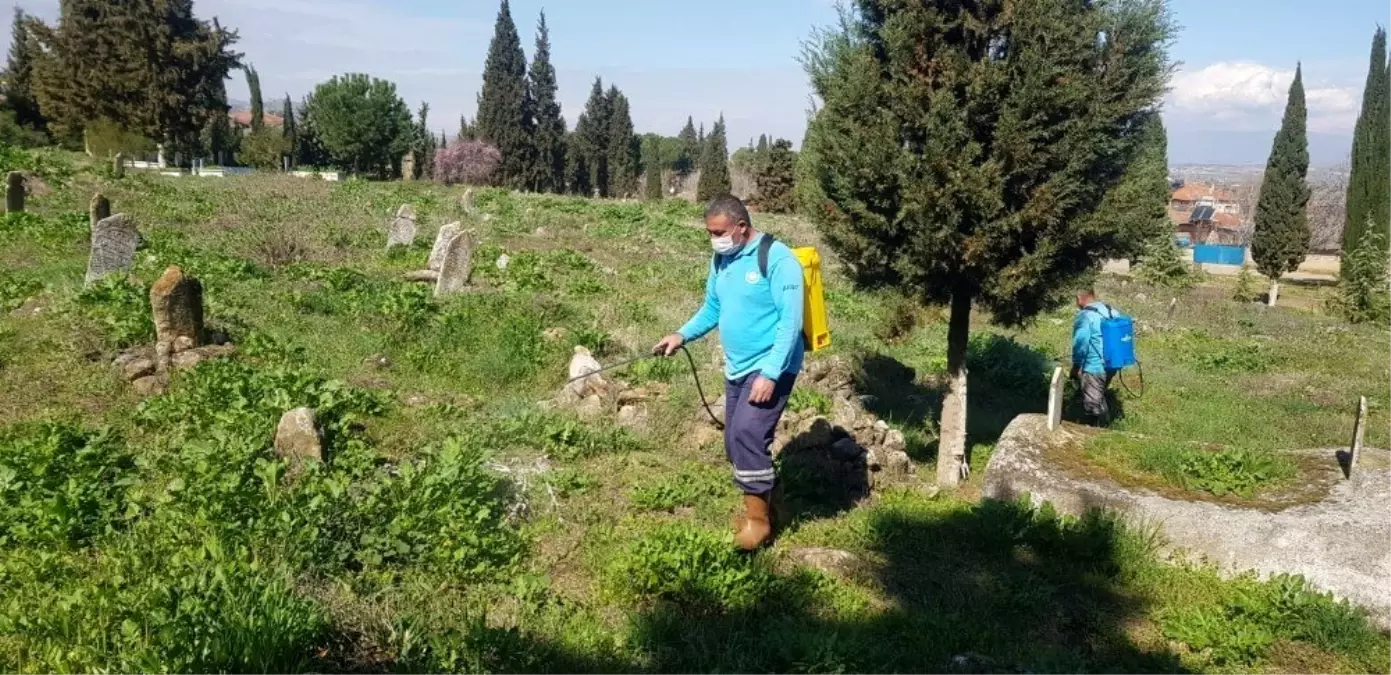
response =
{"points": [[176, 301], [597, 395]]}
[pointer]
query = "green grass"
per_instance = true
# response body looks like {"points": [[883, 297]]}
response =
{"points": [[1239, 471], [460, 525]]}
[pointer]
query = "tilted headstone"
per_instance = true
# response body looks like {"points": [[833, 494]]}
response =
{"points": [[1359, 430], [1055, 399], [467, 202], [14, 192], [456, 267], [402, 231], [177, 303], [100, 209], [442, 239], [113, 246]]}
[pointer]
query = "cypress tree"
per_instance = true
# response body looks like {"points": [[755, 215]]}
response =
{"points": [[1281, 239], [620, 146], [287, 123], [714, 165], [577, 161], [978, 185], [1369, 183], [19, 75], [504, 117], [591, 136], [468, 131], [776, 177], [444, 143], [258, 109], [217, 138], [653, 167], [423, 148], [1138, 206], [685, 163], [549, 169], [153, 68], [311, 148]]}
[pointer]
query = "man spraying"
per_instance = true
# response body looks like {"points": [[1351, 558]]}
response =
{"points": [[1088, 364], [760, 322]]}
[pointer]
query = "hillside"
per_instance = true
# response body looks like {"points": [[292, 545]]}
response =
{"points": [[463, 522]]}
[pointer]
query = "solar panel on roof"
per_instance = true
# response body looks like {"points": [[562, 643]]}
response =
{"points": [[1200, 214]]}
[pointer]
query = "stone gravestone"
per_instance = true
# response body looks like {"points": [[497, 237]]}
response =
{"points": [[297, 436], [455, 268], [177, 303], [14, 192], [113, 246], [467, 202], [100, 209], [1359, 430], [402, 231], [118, 165], [1055, 399], [442, 239]]}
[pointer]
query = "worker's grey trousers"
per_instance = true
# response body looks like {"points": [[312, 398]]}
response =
{"points": [[1094, 395], [748, 431]]}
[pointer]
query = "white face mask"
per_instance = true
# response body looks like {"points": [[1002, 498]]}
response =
{"points": [[724, 245]]}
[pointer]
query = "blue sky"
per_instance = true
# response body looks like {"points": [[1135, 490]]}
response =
{"points": [[675, 59]]}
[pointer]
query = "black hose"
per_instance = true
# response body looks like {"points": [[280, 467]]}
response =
{"points": [[694, 375]]}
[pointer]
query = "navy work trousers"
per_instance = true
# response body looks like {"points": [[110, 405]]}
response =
{"points": [[748, 431]]}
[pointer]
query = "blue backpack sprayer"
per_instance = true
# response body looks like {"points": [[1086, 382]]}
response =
{"points": [[1118, 346]]}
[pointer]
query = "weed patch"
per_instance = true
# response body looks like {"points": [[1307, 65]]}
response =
{"points": [[117, 308], [60, 485], [1241, 472], [685, 488]]}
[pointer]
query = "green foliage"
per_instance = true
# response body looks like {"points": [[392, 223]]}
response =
{"points": [[714, 165], [14, 290], [685, 162], [1160, 265], [119, 308], [264, 148], [60, 485], [14, 133], [775, 178], [1245, 289], [560, 437], [1138, 206], [1369, 181], [925, 179], [258, 106], [1281, 239], [361, 123], [1363, 295], [1004, 364], [505, 105], [18, 86], [621, 146], [1240, 627], [1237, 471], [652, 168], [105, 139], [690, 486], [100, 62], [695, 568], [1228, 357], [803, 399], [591, 144], [549, 167], [54, 234], [287, 130]]}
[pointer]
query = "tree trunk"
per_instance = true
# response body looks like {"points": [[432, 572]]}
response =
{"points": [[951, 443], [1274, 292]]}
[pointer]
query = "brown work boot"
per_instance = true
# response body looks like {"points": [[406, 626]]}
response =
{"points": [[755, 525]]}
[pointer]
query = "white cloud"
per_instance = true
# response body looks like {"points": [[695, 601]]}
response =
{"points": [[1246, 96]]}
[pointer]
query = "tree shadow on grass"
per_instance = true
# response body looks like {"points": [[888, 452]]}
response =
{"points": [[995, 588]]}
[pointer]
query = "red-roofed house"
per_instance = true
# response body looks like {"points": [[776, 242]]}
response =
{"points": [[242, 118]]}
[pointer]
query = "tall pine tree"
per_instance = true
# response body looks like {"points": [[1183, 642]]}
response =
{"points": [[577, 174], [1369, 183], [1137, 208], [591, 136], [620, 146], [423, 150], [258, 107], [549, 168], [714, 165], [287, 126], [652, 167], [962, 149], [504, 105], [217, 138], [685, 163], [150, 67], [1282, 221], [776, 177], [19, 75]]}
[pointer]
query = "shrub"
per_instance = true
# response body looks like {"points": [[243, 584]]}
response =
{"points": [[14, 290], [1160, 265], [105, 138], [1363, 295], [121, 309], [685, 488], [264, 149], [696, 568], [60, 484], [1238, 471], [803, 399], [465, 161], [1245, 290]]}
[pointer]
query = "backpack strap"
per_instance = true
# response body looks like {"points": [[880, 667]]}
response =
{"points": [[1110, 312], [764, 245]]}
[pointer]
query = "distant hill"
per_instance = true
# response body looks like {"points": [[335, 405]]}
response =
{"points": [[1249, 147]]}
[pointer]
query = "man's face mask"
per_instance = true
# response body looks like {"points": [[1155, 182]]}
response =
{"points": [[725, 244]]}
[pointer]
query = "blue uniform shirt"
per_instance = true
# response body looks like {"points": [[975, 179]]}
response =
{"points": [[1086, 338], [760, 319]]}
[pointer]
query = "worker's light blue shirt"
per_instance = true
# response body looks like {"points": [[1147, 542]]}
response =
{"points": [[1086, 338], [760, 320]]}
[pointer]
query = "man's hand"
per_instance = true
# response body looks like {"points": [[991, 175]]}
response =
{"points": [[762, 390], [1075, 371], [668, 345]]}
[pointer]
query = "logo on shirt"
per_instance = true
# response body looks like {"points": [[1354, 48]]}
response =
{"points": [[752, 277]]}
